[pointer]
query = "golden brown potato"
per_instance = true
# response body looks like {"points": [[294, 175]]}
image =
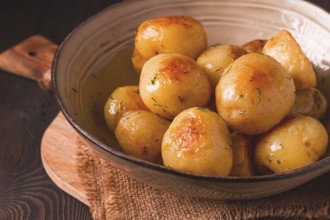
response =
{"points": [[198, 142], [297, 142], [254, 94], [216, 58], [243, 148], [254, 46], [170, 34], [122, 99], [310, 102], [140, 134], [285, 49], [170, 83]]}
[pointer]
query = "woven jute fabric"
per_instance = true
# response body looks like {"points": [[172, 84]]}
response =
{"points": [[114, 195]]}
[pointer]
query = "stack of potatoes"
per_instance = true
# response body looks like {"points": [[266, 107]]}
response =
{"points": [[219, 110]]}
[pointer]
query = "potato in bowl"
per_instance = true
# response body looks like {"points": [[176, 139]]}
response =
{"points": [[82, 56], [254, 94]]}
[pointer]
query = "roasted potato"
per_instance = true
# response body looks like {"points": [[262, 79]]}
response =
{"points": [[198, 142], [254, 46], [284, 48], [243, 148], [216, 58], [140, 134], [296, 142], [171, 83], [310, 102], [122, 99], [169, 34], [254, 94]]}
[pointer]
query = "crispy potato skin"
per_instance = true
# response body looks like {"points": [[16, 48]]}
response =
{"points": [[122, 99], [171, 83], [297, 142], [254, 46], [168, 34], [243, 149], [310, 102], [140, 134], [216, 58], [285, 49], [254, 94], [198, 141]]}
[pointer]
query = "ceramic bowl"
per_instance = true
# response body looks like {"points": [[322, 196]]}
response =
{"points": [[85, 55]]}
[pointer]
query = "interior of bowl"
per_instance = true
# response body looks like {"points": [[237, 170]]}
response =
{"points": [[95, 58]]}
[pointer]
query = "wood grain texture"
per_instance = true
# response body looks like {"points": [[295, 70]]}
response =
{"points": [[32, 58], [58, 154], [26, 191]]}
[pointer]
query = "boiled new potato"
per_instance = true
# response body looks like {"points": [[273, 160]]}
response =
{"points": [[254, 46], [243, 148], [216, 58], [198, 142], [171, 83], [297, 142], [169, 34], [309, 102], [285, 49], [122, 99], [140, 134], [254, 94]]}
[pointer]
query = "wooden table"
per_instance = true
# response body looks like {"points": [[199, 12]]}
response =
{"points": [[26, 192]]}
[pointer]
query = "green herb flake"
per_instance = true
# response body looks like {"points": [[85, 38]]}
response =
{"points": [[242, 112], [259, 94], [153, 99], [227, 69], [153, 80], [203, 109]]}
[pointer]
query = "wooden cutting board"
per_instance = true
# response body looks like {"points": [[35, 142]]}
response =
{"points": [[58, 154], [32, 59]]}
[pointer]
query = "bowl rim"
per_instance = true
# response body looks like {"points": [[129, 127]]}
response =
{"points": [[145, 164]]}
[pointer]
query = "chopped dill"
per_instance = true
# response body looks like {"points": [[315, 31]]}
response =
{"points": [[153, 80], [259, 94]]}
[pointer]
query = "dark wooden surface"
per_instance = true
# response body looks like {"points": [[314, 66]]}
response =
{"points": [[26, 192]]}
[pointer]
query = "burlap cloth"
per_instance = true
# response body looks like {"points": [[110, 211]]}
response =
{"points": [[114, 195]]}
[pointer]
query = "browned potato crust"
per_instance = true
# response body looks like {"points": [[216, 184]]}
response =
{"points": [[171, 83], [167, 35], [254, 94], [198, 141], [285, 49], [254, 46]]}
